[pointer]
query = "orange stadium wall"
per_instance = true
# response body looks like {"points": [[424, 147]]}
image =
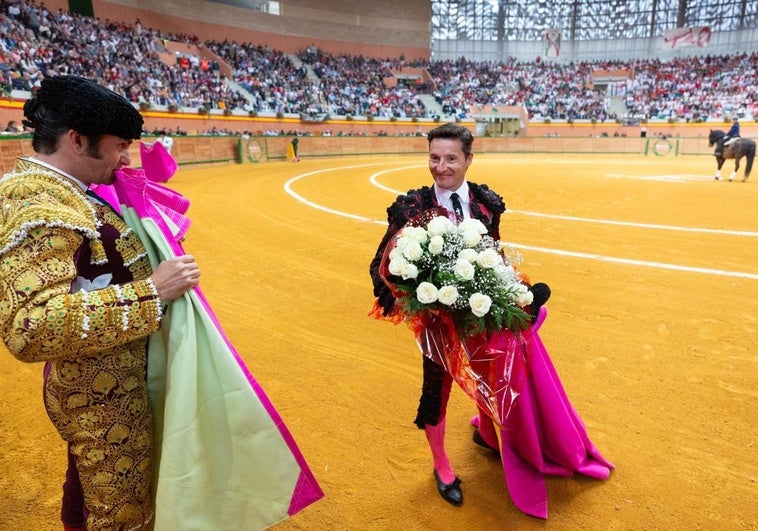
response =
{"points": [[335, 26], [199, 151]]}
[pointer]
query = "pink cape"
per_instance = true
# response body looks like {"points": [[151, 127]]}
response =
{"points": [[158, 163], [543, 434]]}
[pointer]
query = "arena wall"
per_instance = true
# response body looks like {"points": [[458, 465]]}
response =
{"points": [[200, 151], [239, 123]]}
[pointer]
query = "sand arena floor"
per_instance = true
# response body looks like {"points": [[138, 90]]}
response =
{"points": [[652, 326]]}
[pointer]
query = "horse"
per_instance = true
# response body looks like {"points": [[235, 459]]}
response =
{"points": [[741, 147]]}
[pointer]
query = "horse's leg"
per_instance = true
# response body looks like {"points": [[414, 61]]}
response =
{"points": [[736, 168], [719, 162]]}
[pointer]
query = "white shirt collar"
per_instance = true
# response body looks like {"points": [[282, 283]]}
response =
{"points": [[81, 185], [443, 198]]}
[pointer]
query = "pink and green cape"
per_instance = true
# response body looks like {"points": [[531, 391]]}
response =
{"points": [[224, 457]]}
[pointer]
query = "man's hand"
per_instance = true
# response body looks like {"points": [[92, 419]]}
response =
{"points": [[174, 277], [541, 293], [386, 301]]}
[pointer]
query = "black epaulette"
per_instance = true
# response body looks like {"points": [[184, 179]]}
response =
{"points": [[411, 204], [483, 194]]}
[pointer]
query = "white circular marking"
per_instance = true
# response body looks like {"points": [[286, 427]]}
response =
{"points": [[587, 256]]}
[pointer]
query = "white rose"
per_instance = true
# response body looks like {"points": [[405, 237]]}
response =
{"points": [[464, 269], [480, 304], [417, 234], [523, 297], [402, 241], [413, 251], [468, 254], [397, 264], [471, 238], [394, 253], [426, 293], [409, 271], [488, 259], [507, 274], [472, 224], [439, 226], [448, 295], [436, 244]]}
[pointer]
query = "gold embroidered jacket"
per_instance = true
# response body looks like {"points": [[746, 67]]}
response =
{"points": [[45, 220]]}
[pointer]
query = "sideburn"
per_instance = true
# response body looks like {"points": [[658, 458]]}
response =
{"points": [[93, 150]]}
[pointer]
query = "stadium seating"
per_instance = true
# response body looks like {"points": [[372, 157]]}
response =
{"points": [[253, 78]]}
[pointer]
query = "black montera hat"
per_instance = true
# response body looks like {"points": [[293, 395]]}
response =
{"points": [[84, 106]]}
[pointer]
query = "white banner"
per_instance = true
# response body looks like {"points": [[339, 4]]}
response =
{"points": [[553, 42], [698, 36]]}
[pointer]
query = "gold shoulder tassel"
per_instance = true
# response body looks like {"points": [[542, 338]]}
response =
{"points": [[98, 252]]}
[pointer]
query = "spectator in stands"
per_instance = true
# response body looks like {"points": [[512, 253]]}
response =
{"points": [[13, 128], [14, 9]]}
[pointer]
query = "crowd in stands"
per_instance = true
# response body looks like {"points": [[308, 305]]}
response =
{"points": [[133, 61], [355, 85], [545, 89], [692, 88], [273, 83], [36, 43]]}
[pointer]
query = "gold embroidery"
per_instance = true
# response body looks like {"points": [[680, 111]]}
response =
{"points": [[34, 196], [95, 392]]}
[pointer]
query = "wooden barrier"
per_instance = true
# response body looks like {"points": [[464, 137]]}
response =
{"points": [[194, 151], [188, 151], [12, 147]]}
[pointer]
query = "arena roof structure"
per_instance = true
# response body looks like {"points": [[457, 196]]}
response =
{"points": [[494, 29]]}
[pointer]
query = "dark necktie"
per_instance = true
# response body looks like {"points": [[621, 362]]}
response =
{"points": [[93, 195], [99, 200], [457, 208]]}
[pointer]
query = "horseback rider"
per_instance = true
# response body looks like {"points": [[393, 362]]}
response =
{"points": [[731, 136]]}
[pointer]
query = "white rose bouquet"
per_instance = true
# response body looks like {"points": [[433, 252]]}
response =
{"points": [[460, 270]]}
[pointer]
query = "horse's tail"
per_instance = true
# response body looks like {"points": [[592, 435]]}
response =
{"points": [[750, 155]]}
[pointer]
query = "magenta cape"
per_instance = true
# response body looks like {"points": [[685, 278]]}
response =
{"points": [[158, 163], [224, 457], [543, 434]]}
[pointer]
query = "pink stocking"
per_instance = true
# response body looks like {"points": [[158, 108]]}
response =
{"points": [[436, 437]]}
